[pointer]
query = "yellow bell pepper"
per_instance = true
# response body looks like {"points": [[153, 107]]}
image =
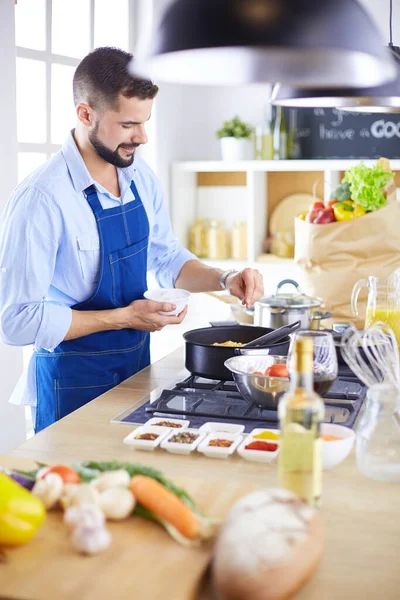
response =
{"points": [[344, 211], [359, 211], [21, 513]]}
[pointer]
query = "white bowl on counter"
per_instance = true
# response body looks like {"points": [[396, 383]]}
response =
{"points": [[211, 427], [218, 451], [335, 452], [181, 447], [172, 295], [139, 444], [263, 456]]}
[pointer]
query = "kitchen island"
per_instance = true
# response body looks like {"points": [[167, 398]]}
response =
{"points": [[360, 560]]}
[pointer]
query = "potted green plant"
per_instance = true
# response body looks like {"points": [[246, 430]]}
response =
{"points": [[235, 136]]}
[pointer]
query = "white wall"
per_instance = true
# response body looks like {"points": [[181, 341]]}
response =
{"points": [[12, 418]]}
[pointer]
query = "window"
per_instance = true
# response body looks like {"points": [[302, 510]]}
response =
{"points": [[51, 37]]}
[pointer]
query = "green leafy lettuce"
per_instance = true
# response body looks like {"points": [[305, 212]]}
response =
{"points": [[367, 185]]}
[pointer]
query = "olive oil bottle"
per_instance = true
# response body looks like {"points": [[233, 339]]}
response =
{"points": [[301, 411]]}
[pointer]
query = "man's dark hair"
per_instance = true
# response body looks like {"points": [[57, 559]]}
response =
{"points": [[103, 75]]}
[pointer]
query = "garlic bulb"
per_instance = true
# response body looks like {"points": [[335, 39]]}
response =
{"points": [[116, 503], [91, 540], [78, 493], [49, 489], [109, 479], [84, 515], [40, 473]]}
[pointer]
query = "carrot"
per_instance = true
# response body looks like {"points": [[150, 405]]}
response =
{"points": [[165, 505]]}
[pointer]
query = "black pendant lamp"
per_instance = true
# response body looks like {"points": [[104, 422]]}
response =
{"points": [[312, 43], [381, 99]]}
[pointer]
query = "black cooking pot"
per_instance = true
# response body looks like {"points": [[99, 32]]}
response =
{"points": [[206, 360]]}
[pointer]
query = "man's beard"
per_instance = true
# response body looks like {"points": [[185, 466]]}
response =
{"points": [[110, 156]]}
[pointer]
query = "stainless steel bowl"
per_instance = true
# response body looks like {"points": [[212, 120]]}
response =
{"points": [[261, 390]]}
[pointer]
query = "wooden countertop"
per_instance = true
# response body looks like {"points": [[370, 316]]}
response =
{"points": [[361, 515]]}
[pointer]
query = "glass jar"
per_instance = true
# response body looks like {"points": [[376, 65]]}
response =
{"points": [[239, 240], [378, 434], [204, 237], [282, 244], [196, 234], [263, 143], [218, 241]]}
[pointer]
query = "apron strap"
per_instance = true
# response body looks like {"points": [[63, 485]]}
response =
{"points": [[93, 199], [134, 190]]}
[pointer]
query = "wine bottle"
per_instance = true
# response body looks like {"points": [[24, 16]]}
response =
{"points": [[301, 411], [280, 135], [293, 145]]}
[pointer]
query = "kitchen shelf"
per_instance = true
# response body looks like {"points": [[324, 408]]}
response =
{"points": [[215, 166], [260, 262], [185, 193]]}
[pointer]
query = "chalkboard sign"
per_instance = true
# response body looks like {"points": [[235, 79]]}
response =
{"points": [[330, 133]]}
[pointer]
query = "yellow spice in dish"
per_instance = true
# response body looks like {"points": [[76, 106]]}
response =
{"points": [[267, 435]]}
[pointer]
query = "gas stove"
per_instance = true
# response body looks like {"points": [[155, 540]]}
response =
{"points": [[201, 400]]}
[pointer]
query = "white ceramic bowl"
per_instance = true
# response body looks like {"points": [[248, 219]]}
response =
{"points": [[217, 451], [211, 427], [179, 447], [181, 423], [173, 295], [139, 444], [335, 452], [257, 455]]}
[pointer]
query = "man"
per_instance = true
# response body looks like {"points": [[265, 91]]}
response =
{"points": [[76, 240]]}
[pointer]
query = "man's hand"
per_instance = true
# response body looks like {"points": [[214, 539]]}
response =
{"points": [[247, 286], [145, 315]]}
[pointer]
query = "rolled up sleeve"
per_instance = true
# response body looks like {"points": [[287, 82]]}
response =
{"points": [[30, 233], [166, 255]]}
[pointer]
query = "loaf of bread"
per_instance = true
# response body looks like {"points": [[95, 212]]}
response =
{"points": [[267, 548]]}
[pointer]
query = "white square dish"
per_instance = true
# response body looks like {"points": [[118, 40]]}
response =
{"points": [[182, 447], [211, 427], [180, 423], [264, 456], [219, 451], [140, 444]]}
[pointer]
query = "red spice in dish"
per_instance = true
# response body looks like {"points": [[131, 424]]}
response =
{"points": [[168, 424], [219, 443], [146, 436], [260, 445]]}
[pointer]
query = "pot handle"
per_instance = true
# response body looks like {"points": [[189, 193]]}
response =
{"points": [[289, 281], [318, 316]]}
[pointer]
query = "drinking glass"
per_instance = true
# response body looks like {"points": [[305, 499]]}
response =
{"points": [[325, 360]]}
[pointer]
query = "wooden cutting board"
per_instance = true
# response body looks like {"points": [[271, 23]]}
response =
{"points": [[142, 561]]}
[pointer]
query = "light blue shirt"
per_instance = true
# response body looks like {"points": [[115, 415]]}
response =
{"points": [[50, 250]]}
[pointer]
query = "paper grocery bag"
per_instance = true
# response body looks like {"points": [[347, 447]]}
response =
{"points": [[332, 257]]}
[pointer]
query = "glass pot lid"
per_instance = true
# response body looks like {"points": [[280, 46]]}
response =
{"points": [[296, 300]]}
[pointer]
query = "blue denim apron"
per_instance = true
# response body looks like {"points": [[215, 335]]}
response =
{"points": [[81, 369]]}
